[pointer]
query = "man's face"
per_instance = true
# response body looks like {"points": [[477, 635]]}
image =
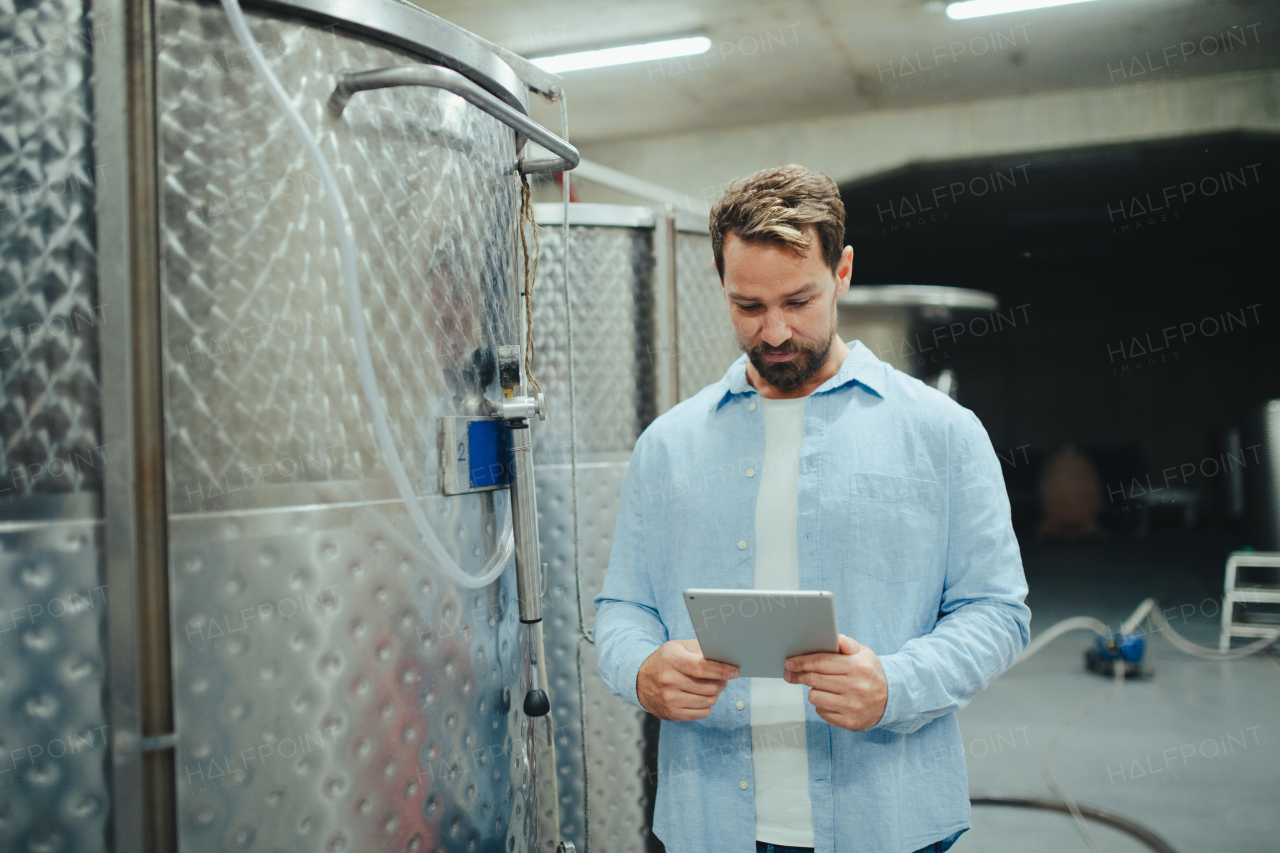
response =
{"points": [[783, 306]]}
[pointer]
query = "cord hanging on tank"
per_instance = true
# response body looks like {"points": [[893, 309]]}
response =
{"points": [[530, 276]]}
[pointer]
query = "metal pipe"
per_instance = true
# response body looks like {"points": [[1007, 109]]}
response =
{"points": [[133, 516], [666, 364], [435, 77], [524, 521]]}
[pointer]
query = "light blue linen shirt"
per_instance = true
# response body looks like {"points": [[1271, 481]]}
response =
{"points": [[903, 515]]}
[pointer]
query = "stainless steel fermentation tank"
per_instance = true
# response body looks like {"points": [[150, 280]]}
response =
{"points": [[911, 325], [649, 328], [219, 630]]}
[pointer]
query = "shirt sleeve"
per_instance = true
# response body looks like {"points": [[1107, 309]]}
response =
{"points": [[984, 623], [628, 628]]}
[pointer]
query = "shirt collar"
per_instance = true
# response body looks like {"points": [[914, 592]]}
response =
{"points": [[860, 366]]}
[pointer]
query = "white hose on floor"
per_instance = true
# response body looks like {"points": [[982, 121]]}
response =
{"points": [[1184, 645], [1075, 623], [1135, 618], [1145, 610], [364, 361]]}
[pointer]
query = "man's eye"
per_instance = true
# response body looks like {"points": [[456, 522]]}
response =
{"points": [[748, 307], [799, 304]]}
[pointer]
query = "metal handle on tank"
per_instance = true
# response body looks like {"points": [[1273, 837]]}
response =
{"points": [[437, 77]]}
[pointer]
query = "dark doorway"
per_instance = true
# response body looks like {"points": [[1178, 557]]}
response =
{"points": [[1143, 280]]}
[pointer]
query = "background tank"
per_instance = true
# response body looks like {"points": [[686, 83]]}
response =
{"points": [[650, 327]]}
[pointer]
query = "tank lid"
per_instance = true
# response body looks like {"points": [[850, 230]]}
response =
{"points": [[922, 295], [417, 31]]}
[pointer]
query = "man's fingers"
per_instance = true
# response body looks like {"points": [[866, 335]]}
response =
{"points": [[700, 686], [694, 665], [827, 662], [821, 662], [684, 716], [849, 646], [694, 700], [819, 681], [715, 670], [700, 667], [689, 703], [681, 684], [824, 700]]}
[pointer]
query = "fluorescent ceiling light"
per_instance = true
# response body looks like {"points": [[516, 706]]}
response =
{"points": [[622, 55], [978, 8]]}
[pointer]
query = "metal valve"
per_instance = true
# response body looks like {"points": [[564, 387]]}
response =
{"points": [[525, 407]]}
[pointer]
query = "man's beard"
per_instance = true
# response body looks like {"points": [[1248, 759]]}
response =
{"points": [[797, 371]]}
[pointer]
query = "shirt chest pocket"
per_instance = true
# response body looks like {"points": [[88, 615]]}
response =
{"points": [[897, 527]]}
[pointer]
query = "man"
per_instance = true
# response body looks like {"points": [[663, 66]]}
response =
{"points": [[811, 465]]}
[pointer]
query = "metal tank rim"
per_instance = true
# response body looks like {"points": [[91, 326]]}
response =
{"points": [[417, 31], [600, 215], [920, 295]]}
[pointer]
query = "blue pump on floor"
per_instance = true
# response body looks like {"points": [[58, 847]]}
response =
{"points": [[1127, 649]]}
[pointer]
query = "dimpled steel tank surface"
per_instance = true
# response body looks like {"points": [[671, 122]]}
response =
{"points": [[332, 691], [54, 791]]}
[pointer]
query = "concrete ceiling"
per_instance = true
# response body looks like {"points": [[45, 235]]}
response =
{"points": [[774, 61]]}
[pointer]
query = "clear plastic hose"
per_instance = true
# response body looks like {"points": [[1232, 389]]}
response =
{"points": [[1075, 623], [364, 361], [1146, 610], [1182, 644]]}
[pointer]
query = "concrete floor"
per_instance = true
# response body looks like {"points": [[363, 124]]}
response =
{"points": [[1193, 753]]}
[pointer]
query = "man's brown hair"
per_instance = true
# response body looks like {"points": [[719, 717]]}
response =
{"points": [[774, 206]]}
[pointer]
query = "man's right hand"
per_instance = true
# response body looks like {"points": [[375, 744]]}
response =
{"points": [[677, 683]]}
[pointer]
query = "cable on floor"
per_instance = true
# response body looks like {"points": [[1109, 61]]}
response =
{"points": [[1132, 828]]}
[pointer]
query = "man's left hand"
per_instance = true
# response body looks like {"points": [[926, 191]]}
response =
{"points": [[849, 689]]}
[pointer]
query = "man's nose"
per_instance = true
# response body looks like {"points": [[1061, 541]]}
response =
{"points": [[776, 332]]}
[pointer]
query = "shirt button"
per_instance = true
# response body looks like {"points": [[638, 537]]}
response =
{"points": [[751, 407], [743, 784], [751, 472], [740, 706], [742, 544]]}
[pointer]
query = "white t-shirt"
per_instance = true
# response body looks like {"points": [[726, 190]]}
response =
{"points": [[784, 813]]}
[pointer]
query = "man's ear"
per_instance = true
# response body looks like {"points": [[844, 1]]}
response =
{"points": [[844, 272]]}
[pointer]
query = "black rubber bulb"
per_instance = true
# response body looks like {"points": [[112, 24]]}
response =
{"points": [[536, 703]]}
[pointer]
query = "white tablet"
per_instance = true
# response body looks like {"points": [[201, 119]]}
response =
{"points": [[756, 630]]}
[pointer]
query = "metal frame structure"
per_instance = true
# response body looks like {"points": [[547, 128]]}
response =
{"points": [[1233, 593], [616, 216]]}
